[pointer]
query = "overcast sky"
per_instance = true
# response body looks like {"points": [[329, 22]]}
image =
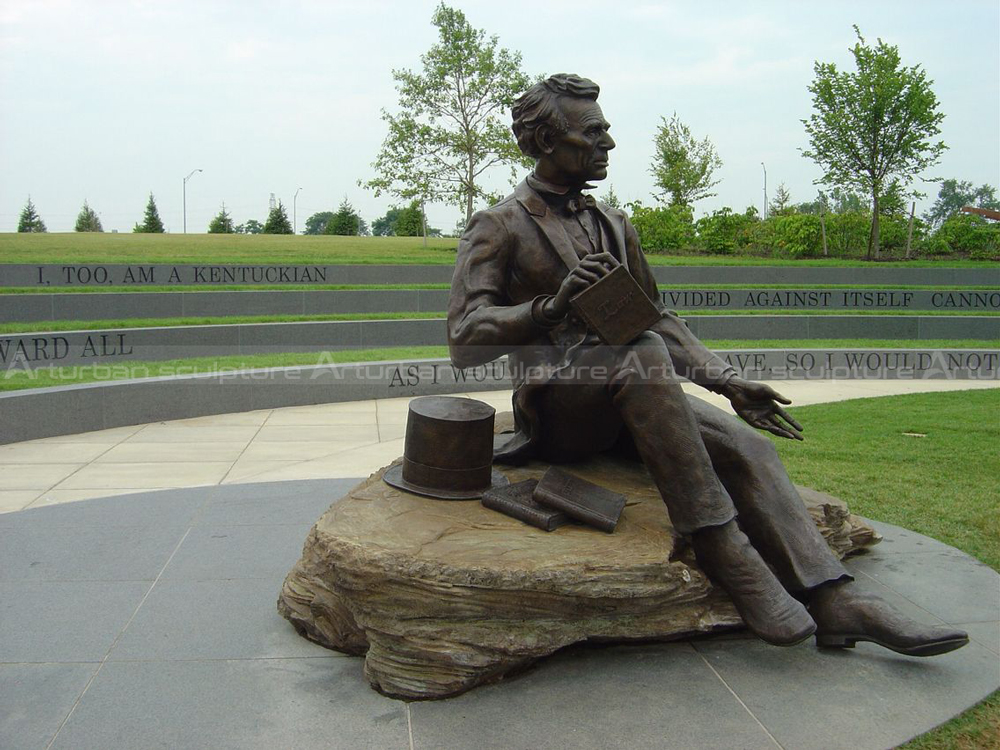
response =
{"points": [[106, 100]]}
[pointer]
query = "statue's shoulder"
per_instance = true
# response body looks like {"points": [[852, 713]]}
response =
{"points": [[612, 212], [506, 211], [509, 204]]}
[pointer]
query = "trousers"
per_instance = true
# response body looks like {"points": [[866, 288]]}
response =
{"points": [[709, 467]]}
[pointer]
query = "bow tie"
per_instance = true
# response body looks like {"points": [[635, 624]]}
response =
{"points": [[580, 202]]}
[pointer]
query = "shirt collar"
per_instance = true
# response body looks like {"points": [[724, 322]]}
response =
{"points": [[541, 186]]}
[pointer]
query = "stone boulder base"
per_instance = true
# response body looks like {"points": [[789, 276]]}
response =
{"points": [[441, 596]]}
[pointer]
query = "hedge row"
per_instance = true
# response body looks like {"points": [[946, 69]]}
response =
{"points": [[796, 235]]}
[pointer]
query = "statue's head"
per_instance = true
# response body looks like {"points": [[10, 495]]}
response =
{"points": [[559, 123]]}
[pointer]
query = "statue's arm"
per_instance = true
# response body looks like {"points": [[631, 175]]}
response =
{"points": [[757, 404], [691, 359], [482, 324]]}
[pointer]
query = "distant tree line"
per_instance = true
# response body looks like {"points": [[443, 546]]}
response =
{"points": [[834, 224]]}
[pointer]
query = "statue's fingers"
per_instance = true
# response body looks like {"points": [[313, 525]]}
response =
{"points": [[788, 418], [776, 429], [595, 266], [778, 397], [606, 259], [785, 430]]}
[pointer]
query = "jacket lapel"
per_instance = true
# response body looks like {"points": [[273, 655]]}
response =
{"points": [[617, 230], [550, 225], [556, 234]]}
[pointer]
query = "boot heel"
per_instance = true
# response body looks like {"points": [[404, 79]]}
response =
{"points": [[835, 641]]}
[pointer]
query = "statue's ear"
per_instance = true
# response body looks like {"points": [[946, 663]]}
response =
{"points": [[545, 137]]}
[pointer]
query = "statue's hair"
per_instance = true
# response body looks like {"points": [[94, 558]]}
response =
{"points": [[539, 106]]}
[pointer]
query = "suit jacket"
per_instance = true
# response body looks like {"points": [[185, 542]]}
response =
{"points": [[517, 251]]}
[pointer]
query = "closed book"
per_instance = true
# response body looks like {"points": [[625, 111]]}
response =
{"points": [[615, 308], [515, 500], [579, 499]]}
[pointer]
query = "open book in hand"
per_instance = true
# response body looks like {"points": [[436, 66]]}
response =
{"points": [[616, 308]]}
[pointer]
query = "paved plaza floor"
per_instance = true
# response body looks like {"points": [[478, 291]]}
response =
{"points": [[144, 617], [149, 621], [327, 441]]}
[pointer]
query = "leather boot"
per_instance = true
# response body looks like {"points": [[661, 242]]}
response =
{"points": [[845, 616], [769, 611]]}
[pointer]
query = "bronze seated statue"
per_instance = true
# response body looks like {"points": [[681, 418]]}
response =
{"points": [[519, 265]]}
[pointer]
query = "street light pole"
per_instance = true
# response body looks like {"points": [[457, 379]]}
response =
{"points": [[294, 212], [185, 199], [764, 215]]}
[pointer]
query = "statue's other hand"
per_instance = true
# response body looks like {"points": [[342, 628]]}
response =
{"points": [[592, 268], [757, 405]]}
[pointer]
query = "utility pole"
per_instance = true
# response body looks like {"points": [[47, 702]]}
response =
{"points": [[294, 221], [764, 213], [423, 219], [185, 198]]}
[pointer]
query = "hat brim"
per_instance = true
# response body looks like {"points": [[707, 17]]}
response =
{"points": [[394, 476]]}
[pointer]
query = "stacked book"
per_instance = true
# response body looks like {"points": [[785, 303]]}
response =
{"points": [[557, 499]]}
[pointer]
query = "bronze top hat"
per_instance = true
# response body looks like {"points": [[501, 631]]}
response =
{"points": [[448, 453]]}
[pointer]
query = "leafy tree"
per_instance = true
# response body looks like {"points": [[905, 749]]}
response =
{"points": [[252, 226], [848, 232], [819, 205], [345, 221], [151, 223], [663, 228], [316, 224], [277, 221], [893, 200], [795, 235], [971, 234], [683, 166], [383, 225], [222, 223], [954, 195], [611, 198], [724, 231], [30, 221], [844, 201], [88, 220], [873, 126], [450, 130], [410, 221], [782, 203]]}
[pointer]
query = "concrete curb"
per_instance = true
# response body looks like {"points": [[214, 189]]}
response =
{"points": [[65, 410], [117, 346]]}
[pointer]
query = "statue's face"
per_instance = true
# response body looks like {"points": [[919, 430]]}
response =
{"points": [[581, 153]]}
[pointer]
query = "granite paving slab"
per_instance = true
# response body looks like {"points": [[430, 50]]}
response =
{"points": [[201, 659], [36, 700], [244, 704]]}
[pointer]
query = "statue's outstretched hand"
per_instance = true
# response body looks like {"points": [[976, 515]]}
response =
{"points": [[756, 404], [591, 269]]}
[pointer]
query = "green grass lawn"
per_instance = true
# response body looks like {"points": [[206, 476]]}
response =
{"points": [[17, 379], [943, 485], [98, 325], [148, 249], [88, 248]]}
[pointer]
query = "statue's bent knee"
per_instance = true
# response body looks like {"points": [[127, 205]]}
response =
{"points": [[647, 358]]}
